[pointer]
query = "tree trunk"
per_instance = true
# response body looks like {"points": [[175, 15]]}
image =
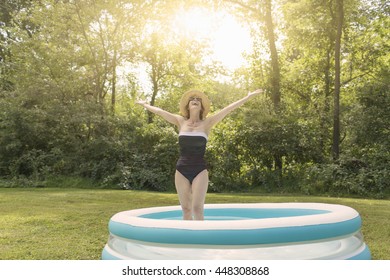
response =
{"points": [[113, 83], [337, 81], [275, 69], [152, 102], [325, 114], [154, 78]]}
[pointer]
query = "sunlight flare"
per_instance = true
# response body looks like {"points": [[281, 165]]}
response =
{"points": [[226, 36]]}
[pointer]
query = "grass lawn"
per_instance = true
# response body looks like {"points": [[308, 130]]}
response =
{"points": [[71, 224]]}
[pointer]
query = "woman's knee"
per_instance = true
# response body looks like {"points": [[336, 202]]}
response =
{"points": [[197, 208], [187, 213], [186, 208]]}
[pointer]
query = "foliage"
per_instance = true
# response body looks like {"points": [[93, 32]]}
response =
{"points": [[363, 169], [151, 162]]}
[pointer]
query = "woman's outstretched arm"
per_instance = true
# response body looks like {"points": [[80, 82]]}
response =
{"points": [[172, 118], [217, 117]]}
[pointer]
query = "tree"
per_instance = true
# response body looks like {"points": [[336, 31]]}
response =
{"points": [[110, 31], [263, 11], [174, 63], [337, 80]]}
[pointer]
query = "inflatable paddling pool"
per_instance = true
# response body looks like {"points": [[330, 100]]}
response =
{"points": [[272, 231]]}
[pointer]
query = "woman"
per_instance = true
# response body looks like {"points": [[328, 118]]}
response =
{"points": [[192, 177]]}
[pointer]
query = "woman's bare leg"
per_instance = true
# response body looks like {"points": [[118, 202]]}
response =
{"points": [[183, 188], [199, 189]]}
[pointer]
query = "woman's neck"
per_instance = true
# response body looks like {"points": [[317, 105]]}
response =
{"points": [[194, 119], [194, 116]]}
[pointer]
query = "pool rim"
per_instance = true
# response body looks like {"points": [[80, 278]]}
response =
{"points": [[338, 221]]}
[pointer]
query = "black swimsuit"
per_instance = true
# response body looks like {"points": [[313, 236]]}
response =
{"points": [[192, 149]]}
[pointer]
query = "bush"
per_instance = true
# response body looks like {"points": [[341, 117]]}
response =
{"points": [[149, 160], [349, 177]]}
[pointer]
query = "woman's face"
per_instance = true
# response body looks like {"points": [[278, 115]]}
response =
{"points": [[195, 103]]}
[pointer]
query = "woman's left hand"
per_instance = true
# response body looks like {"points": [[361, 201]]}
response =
{"points": [[256, 92]]}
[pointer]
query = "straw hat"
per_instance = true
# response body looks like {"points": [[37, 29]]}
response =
{"points": [[186, 98]]}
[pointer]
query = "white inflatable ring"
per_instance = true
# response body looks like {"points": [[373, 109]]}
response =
{"points": [[248, 229]]}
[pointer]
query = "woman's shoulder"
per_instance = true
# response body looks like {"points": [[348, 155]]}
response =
{"points": [[180, 119]]}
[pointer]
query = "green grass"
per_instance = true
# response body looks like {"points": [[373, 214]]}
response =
{"points": [[71, 224]]}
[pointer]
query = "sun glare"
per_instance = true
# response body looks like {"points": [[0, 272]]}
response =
{"points": [[194, 23], [228, 39]]}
